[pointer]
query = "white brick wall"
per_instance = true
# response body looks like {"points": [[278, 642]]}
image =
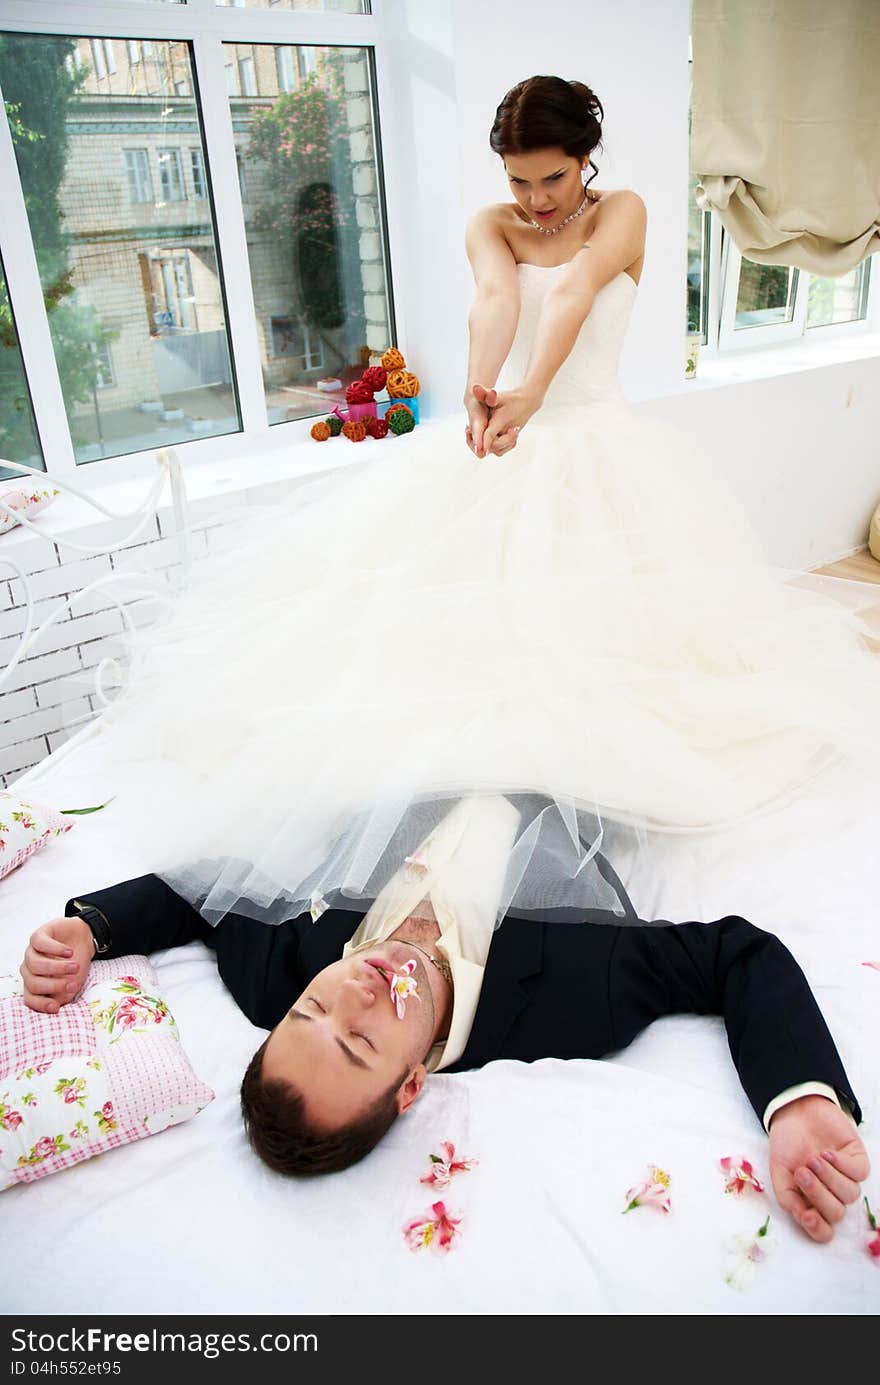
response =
{"points": [[49, 690]]}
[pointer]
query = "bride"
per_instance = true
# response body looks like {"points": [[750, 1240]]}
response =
{"points": [[565, 604]]}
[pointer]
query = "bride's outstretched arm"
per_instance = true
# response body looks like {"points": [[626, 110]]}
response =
{"points": [[615, 243], [493, 315]]}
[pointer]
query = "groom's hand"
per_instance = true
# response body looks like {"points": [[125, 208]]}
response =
{"points": [[817, 1162], [56, 964]]}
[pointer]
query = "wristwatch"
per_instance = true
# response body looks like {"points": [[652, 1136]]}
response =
{"points": [[98, 923]]}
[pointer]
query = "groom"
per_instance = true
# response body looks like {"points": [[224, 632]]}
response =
{"points": [[363, 1004]]}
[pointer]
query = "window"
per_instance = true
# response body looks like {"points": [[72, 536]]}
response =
{"points": [[123, 250], [171, 175], [734, 303], [286, 75], [246, 77], [137, 169], [313, 219], [98, 59], [132, 285], [197, 168], [103, 364], [18, 429]]}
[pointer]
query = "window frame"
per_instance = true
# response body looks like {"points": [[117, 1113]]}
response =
{"points": [[206, 28]]}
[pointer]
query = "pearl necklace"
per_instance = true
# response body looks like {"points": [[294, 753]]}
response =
{"points": [[556, 229]]}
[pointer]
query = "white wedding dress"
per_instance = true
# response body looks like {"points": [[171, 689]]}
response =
{"points": [[588, 619]]}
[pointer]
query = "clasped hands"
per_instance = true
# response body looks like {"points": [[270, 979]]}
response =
{"points": [[495, 418]]}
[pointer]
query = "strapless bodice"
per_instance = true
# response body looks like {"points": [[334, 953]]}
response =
{"points": [[590, 373]]}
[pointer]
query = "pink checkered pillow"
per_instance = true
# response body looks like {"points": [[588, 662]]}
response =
{"points": [[25, 826], [106, 1069]]}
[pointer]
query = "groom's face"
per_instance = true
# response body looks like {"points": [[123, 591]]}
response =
{"points": [[342, 1045]]}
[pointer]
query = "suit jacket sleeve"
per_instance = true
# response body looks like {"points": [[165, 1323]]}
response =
{"points": [[257, 961], [775, 1029]]}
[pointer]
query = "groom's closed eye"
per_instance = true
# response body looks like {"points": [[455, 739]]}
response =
{"points": [[352, 1057]]}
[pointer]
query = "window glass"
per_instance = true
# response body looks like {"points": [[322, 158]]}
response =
{"points": [[839, 300], [766, 294], [316, 245], [124, 240], [18, 431]]}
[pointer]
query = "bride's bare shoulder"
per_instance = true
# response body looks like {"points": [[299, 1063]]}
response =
{"points": [[488, 246]]}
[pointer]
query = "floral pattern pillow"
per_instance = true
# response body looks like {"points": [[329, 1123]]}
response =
{"points": [[25, 827], [107, 1069], [27, 502]]}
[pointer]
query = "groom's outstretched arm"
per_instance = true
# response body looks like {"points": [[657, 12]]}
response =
{"points": [[777, 1034], [257, 961]]}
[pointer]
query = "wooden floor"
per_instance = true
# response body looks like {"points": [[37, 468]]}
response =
{"points": [[860, 567]]}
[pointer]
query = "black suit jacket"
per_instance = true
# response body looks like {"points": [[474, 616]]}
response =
{"points": [[552, 988]]}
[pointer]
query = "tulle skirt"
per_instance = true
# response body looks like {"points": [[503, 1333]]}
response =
{"points": [[587, 625]]}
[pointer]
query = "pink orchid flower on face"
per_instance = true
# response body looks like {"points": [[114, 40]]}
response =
{"points": [[401, 986], [873, 1246], [740, 1176], [654, 1192], [439, 1230], [444, 1166]]}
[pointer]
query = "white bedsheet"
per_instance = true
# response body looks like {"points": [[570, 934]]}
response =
{"points": [[190, 1222]]}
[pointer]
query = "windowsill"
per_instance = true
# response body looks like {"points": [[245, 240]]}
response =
{"points": [[783, 358], [226, 478]]}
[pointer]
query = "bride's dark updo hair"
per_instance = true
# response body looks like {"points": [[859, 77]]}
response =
{"points": [[545, 112]]}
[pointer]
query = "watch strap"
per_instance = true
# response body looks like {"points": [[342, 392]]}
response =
{"points": [[98, 924]]}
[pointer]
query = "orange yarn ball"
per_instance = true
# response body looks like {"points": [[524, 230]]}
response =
{"points": [[392, 359], [354, 431], [394, 408], [320, 431], [401, 384]]}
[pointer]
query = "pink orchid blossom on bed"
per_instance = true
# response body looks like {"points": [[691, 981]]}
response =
{"points": [[439, 1230], [873, 1246], [748, 1252], [653, 1192], [444, 1165], [740, 1176]]}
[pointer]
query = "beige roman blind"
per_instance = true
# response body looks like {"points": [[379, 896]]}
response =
{"points": [[785, 127]]}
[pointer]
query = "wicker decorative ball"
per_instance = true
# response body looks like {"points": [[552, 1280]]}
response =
{"points": [[377, 427], [401, 421], [321, 431], [355, 432], [334, 424], [358, 392], [397, 408], [393, 359], [374, 378], [402, 384]]}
